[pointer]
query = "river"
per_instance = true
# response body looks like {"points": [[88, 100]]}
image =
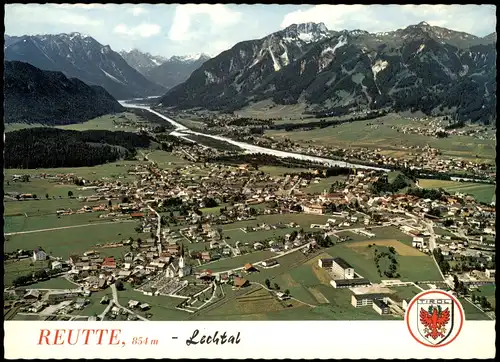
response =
{"points": [[183, 131]]}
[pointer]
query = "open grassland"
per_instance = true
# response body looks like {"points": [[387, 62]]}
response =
{"points": [[254, 236], [54, 283], [410, 268], [481, 192], [281, 171], [401, 249], [108, 122], [113, 170], [15, 224], [44, 206], [487, 291], [471, 312], [64, 242], [16, 268], [166, 159], [42, 187], [407, 292], [266, 109], [378, 134], [10, 127], [319, 186], [381, 233]]}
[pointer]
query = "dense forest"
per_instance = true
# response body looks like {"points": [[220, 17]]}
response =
{"points": [[44, 97], [51, 147]]}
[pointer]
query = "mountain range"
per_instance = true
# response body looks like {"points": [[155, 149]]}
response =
{"points": [[80, 56], [420, 67], [167, 72], [45, 97]]}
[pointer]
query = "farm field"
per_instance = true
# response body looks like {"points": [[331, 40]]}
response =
{"points": [[236, 262], [378, 134], [10, 127], [166, 159], [487, 291], [43, 207], [162, 307], [65, 242], [41, 188], [381, 233], [472, 313], [481, 192], [303, 220], [108, 122], [14, 269], [267, 109], [54, 283], [410, 268], [322, 184], [258, 300], [112, 170], [280, 171], [14, 224]]}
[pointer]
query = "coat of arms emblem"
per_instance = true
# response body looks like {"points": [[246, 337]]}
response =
{"points": [[434, 318]]}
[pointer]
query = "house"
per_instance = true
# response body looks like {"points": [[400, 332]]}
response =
{"points": [[105, 300], [269, 263], [249, 268], [144, 306], [282, 296], [56, 265], [32, 294], [39, 254], [380, 307], [109, 263], [133, 304], [36, 307], [490, 273], [240, 282]]}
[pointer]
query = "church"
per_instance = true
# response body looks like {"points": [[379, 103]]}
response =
{"points": [[177, 268]]}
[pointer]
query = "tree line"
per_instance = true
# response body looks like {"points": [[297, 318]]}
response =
{"points": [[51, 147]]}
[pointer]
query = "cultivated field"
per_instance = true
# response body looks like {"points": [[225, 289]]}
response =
{"points": [[481, 192], [378, 134], [108, 122], [166, 159], [401, 249], [113, 170], [64, 242], [14, 269]]}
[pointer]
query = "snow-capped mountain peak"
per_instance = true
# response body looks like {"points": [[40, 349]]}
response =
{"points": [[306, 32]]}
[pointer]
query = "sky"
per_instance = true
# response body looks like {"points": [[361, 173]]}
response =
{"points": [[169, 30]]}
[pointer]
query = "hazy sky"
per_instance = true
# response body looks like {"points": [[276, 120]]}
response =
{"points": [[187, 29]]}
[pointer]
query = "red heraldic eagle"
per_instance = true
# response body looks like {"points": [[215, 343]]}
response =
{"points": [[435, 319]]}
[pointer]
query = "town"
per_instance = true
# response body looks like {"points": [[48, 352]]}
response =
{"points": [[216, 234]]}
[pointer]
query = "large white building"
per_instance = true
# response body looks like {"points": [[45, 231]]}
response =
{"points": [[342, 268]]}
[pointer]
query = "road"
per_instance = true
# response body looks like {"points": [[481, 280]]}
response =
{"points": [[294, 186], [117, 303], [68, 227]]}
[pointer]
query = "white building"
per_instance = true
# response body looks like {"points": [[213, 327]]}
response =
{"points": [[56, 265], [39, 254], [342, 268]]}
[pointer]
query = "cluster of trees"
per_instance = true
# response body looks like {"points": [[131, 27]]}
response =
{"points": [[265, 159], [481, 299], [51, 147], [30, 278], [443, 264], [267, 282], [392, 269], [433, 194], [382, 185]]}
